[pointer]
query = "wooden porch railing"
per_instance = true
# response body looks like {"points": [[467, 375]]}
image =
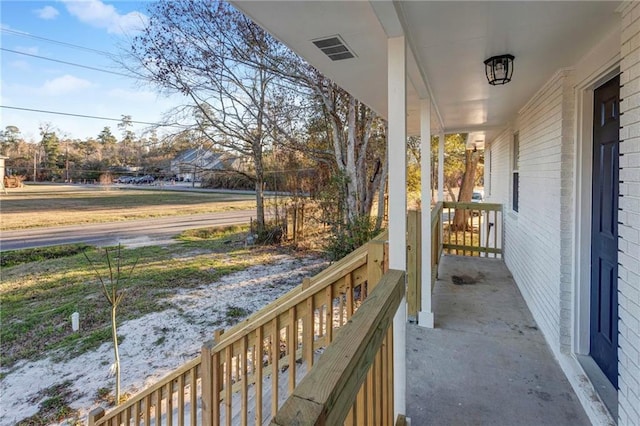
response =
{"points": [[246, 373], [480, 234], [480, 237], [352, 382]]}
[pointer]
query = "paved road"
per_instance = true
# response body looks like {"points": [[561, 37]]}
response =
{"points": [[135, 232]]}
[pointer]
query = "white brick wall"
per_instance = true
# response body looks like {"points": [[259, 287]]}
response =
{"points": [[629, 217], [500, 174], [567, 188], [538, 238]]}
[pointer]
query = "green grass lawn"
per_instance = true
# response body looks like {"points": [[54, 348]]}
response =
{"points": [[55, 205], [38, 297]]}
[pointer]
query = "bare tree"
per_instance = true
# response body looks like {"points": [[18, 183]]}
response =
{"points": [[251, 93], [111, 286], [356, 137], [212, 54]]}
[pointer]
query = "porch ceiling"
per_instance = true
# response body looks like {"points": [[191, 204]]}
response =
{"points": [[448, 43]]}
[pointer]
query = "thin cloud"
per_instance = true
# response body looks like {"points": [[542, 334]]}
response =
{"points": [[132, 96], [20, 65], [100, 15], [47, 12], [64, 85], [31, 50]]}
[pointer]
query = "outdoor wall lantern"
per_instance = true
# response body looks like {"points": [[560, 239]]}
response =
{"points": [[499, 69]]}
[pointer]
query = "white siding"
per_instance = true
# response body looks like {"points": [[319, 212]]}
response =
{"points": [[629, 218]]}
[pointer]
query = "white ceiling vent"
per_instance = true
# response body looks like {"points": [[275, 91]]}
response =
{"points": [[334, 47]]}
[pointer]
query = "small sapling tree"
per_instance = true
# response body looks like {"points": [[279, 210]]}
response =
{"points": [[112, 291]]}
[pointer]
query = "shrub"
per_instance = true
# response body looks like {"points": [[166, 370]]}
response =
{"points": [[353, 235], [270, 235]]}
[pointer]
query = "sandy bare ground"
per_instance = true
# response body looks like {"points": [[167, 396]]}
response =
{"points": [[155, 344]]}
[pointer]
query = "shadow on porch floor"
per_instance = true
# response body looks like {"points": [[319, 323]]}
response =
{"points": [[486, 362]]}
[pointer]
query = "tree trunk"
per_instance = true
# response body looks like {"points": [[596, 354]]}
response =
{"points": [[257, 153], [114, 333], [260, 205], [381, 194], [351, 151], [259, 188], [450, 192], [461, 218], [372, 186], [351, 171]]}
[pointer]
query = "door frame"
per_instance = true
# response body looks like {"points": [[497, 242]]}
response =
{"points": [[583, 208]]}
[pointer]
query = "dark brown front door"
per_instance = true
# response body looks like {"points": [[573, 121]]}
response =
{"points": [[604, 230]]}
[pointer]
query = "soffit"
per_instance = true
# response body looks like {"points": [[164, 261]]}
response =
{"points": [[449, 41]]}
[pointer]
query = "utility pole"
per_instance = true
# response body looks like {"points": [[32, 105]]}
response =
{"points": [[66, 155], [35, 153]]}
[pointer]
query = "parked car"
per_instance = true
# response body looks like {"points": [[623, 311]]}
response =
{"points": [[477, 197]]}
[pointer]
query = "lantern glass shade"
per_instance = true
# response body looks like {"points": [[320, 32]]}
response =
{"points": [[499, 69]]}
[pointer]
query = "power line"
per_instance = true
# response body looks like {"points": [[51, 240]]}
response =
{"points": [[65, 62], [69, 114], [63, 43]]}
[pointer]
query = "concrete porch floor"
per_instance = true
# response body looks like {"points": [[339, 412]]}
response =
{"points": [[486, 362]]}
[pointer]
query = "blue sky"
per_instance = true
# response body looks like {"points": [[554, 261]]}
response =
{"points": [[34, 83]]}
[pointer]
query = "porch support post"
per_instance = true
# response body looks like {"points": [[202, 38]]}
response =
{"points": [[441, 166], [425, 316], [396, 150]]}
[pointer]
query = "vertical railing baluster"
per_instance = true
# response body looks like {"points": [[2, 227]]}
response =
{"points": [[292, 346], [169, 403], [455, 233], [377, 381], [137, 409], [158, 413], [147, 410], [349, 292], [194, 398], [350, 420], [275, 357], [228, 384], [244, 394], [495, 232], [370, 399], [307, 333], [384, 379], [329, 314], [258, 359], [181, 404], [361, 406]]}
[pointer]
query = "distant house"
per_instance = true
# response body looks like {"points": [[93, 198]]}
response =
{"points": [[191, 163]]}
